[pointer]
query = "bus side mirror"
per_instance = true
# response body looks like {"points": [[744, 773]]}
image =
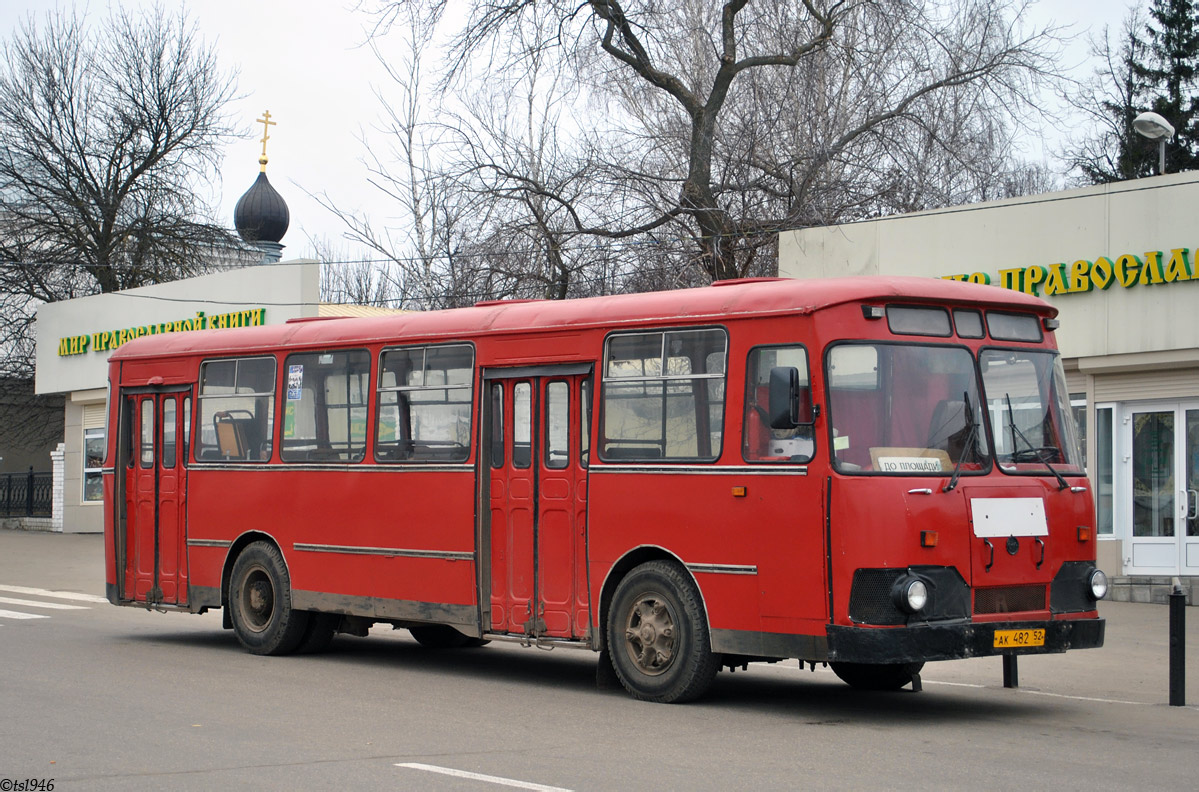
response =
{"points": [[788, 407]]}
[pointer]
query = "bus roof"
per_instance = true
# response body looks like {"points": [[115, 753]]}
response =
{"points": [[719, 302]]}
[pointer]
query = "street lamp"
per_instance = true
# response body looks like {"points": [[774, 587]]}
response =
{"points": [[1154, 127]]}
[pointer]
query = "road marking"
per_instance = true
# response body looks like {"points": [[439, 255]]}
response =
{"points": [[67, 595], [1042, 693], [1082, 698], [7, 614], [480, 777], [35, 604]]}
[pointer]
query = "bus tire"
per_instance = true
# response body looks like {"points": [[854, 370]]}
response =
{"points": [[658, 635], [870, 676], [442, 636], [260, 602], [319, 635]]}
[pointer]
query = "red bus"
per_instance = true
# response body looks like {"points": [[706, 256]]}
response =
{"points": [[870, 472]]}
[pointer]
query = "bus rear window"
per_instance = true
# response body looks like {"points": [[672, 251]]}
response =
{"points": [[1013, 327]]}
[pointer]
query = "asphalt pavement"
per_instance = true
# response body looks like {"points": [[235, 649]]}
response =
{"points": [[99, 697]]}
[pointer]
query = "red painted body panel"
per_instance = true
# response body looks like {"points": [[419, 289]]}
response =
{"points": [[392, 508]]}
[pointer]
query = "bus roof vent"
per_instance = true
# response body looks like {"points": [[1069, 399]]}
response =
{"points": [[739, 281], [488, 303]]}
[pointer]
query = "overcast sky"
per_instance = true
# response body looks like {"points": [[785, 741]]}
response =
{"points": [[303, 61]]}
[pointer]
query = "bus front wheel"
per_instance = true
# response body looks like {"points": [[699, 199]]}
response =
{"points": [[868, 676], [260, 602], [658, 635]]}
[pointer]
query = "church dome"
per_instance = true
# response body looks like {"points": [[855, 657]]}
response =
{"points": [[261, 214]]}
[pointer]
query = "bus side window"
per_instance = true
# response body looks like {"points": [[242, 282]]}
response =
{"points": [[324, 408], [759, 442], [235, 410], [425, 404], [662, 395]]}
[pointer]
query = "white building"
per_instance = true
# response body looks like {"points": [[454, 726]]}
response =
{"points": [[75, 338], [1118, 263]]}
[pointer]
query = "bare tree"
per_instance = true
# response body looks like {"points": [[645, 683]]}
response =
{"points": [[721, 123], [1115, 94], [108, 132]]}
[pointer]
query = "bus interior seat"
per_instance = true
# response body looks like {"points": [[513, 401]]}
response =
{"points": [[230, 436]]}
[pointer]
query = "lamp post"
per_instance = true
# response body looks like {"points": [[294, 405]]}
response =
{"points": [[1154, 127]]}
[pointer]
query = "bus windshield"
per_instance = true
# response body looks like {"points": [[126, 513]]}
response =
{"points": [[905, 409], [1029, 408]]}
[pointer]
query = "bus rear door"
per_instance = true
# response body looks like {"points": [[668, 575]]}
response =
{"points": [[537, 497], [155, 492]]}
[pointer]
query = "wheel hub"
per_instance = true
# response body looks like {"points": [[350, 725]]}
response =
{"points": [[649, 635], [258, 600]]}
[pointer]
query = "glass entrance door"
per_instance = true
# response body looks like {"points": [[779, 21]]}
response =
{"points": [[1160, 483], [1189, 508]]}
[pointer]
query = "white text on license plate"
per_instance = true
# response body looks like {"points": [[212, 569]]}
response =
{"points": [[1014, 639]]}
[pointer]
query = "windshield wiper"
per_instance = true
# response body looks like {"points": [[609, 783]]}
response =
{"points": [[969, 445], [1036, 450]]}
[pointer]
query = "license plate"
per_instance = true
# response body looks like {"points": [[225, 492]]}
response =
{"points": [[1014, 639]]}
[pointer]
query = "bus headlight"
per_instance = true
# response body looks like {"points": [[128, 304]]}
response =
{"points": [[1097, 584], [910, 594]]}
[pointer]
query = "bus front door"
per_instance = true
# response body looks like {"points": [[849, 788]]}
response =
{"points": [[155, 559], [536, 531]]}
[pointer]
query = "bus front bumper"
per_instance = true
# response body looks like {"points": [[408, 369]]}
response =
{"points": [[928, 642]]}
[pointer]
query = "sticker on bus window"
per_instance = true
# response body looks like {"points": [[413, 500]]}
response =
{"points": [[295, 382], [895, 464]]}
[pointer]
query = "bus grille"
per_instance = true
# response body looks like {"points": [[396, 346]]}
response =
{"points": [[1009, 599], [870, 598]]}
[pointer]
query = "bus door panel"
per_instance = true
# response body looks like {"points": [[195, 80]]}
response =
{"points": [[792, 570], [512, 508], [537, 502], [562, 508], [155, 492]]}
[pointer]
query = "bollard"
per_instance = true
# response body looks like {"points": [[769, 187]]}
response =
{"points": [[1011, 675], [1178, 601]]}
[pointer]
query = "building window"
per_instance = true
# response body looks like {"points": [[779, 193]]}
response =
{"points": [[1078, 408], [1104, 466], [93, 461]]}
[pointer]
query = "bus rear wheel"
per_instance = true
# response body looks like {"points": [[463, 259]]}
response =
{"points": [[260, 602], [870, 676], [658, 635]]}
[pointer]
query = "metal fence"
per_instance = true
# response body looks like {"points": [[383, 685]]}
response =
{"points": [[26, 494]]}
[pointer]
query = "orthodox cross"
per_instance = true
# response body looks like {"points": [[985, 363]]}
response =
{"points": [[267, 123]]}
